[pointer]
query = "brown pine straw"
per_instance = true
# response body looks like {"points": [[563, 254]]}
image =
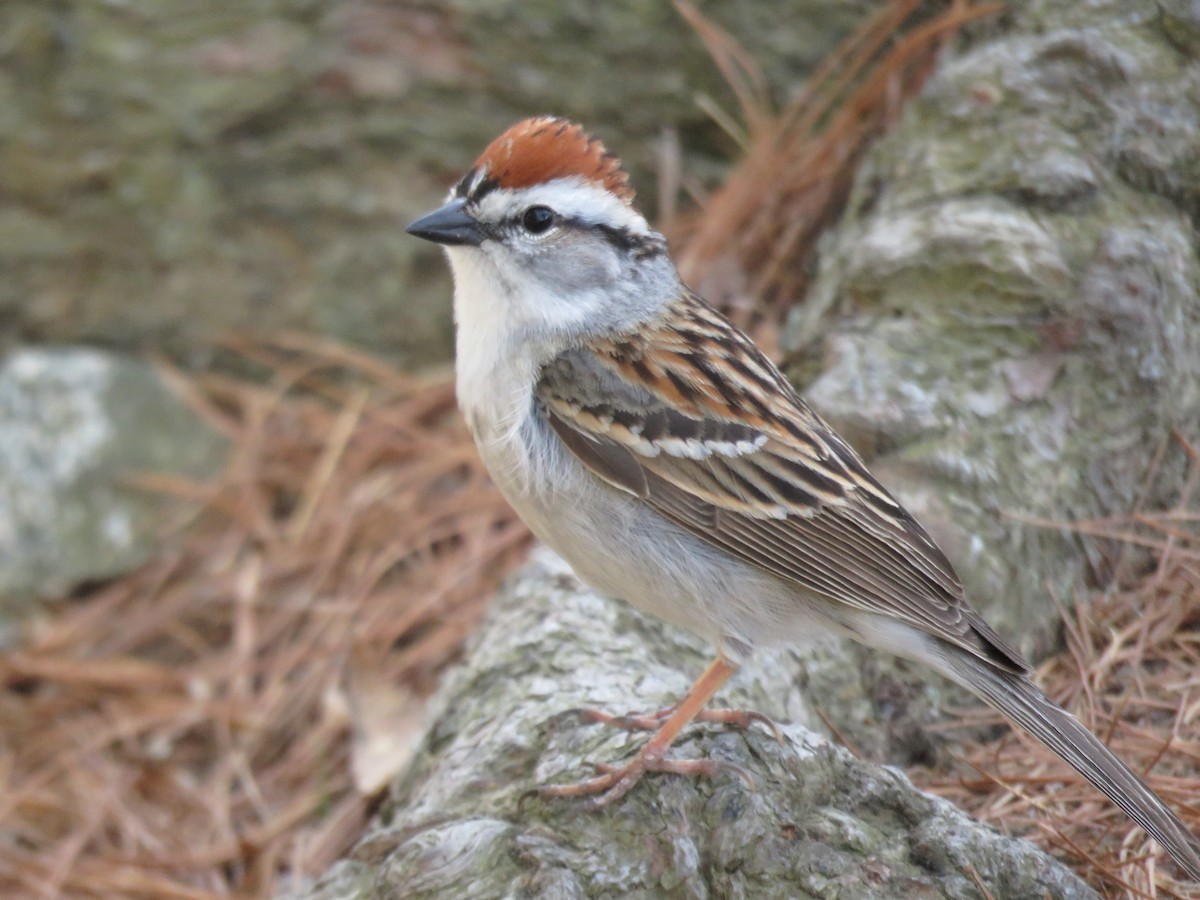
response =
{"points": [[748, 248], [184, 731], [1131, 672]]}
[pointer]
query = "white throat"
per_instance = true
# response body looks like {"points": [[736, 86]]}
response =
{"points": [[497, 355]]}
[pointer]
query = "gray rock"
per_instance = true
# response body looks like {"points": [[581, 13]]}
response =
{"points": [[73, 424], [815, 823], [1007, 322], [254, 166]]}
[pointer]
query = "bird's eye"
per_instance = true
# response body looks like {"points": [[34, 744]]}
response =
{"points": [[537, 219]]}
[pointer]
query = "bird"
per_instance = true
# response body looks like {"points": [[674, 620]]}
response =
{"points": [[651, 444]]}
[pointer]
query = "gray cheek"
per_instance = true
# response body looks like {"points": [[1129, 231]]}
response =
{"points": [[576, 265]]}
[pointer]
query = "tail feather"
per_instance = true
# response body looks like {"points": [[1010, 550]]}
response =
{"points": [[1023, 702]]}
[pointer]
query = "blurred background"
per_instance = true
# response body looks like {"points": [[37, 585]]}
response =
{"points": [[242, 530], [174, 170]]}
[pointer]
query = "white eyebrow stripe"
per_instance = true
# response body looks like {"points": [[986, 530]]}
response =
{"points": [[572, 198]]}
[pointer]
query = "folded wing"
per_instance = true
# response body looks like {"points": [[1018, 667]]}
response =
{"points": [[689, 417]]}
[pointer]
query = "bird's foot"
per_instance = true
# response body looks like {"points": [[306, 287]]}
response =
{"points": [[614, 782]]}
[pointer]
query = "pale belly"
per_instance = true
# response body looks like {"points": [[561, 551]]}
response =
{"points": [[624, 549]]}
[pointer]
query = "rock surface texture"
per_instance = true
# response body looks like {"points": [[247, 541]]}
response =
{"points": [[1007, 321], [74, 425], [1007, 324], [252, 165], [815, 823]]}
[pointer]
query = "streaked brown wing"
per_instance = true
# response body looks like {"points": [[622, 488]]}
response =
{"points": [[774, 486]]}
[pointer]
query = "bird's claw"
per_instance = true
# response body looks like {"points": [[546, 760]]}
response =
{"points": [[615, 781]]}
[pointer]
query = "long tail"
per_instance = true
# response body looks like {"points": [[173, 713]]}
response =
{"points": [[1023, 702]]}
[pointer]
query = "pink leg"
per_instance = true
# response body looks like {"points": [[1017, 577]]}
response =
{"points": [[614, 782]]}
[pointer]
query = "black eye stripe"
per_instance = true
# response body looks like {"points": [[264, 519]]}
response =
{"points": [[619, 237], [623, 239]]}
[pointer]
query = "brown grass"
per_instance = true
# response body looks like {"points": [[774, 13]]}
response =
{"points": [[190, 730], [186, 730], [749, 247], [1131, 672]]}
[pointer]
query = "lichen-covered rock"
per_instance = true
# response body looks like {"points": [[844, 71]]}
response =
{"points": [[1007, 322], [815, 823], [174, 169], [74, 425]]}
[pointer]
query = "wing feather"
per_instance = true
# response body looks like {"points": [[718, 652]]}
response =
{"points": [[692, 419]]}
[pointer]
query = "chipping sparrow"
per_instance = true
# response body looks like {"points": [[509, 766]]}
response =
{"points": [[649, 442]]}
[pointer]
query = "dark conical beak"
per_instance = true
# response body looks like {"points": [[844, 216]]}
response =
{"points": [[448, 225]]}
